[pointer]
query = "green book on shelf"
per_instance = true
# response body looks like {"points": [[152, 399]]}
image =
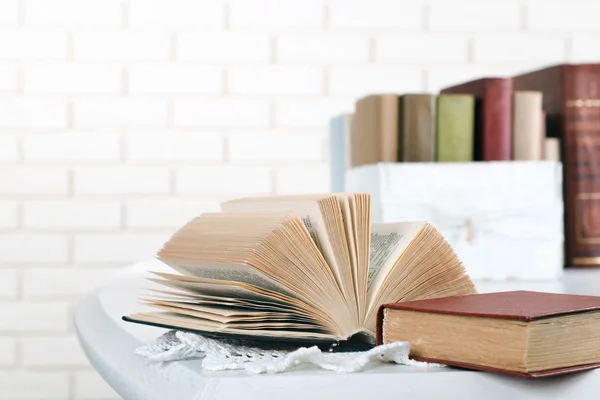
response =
{"points": [[455, 127]]}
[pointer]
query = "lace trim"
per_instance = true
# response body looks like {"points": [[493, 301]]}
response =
{"points": [[223, 354]]}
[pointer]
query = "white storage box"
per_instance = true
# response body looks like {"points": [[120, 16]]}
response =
{"points": [[504, 219]]}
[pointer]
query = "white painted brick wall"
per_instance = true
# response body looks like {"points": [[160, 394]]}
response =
{"points": [[63, 283], [9, 285], [305, 179], [519, 47], [216, 47], [474, 15], [122, 119], [176, 13], [309, 113], [146, 46], [167, 213], [276, 147], [30, 385], [175, 79], [120, 112], [320, 47], [191, 147], [116, 248], [33, 248], [49, 316], [52, 351], [77, 147], [9, 214], [8, 352], [270, 14], [69, 13], [31, 180], [121, 180], [223, 180], [276, 80], [9, 148], [77, 215], [9, 80], [360, 81], [584, 49], [32, 112], [415, 48], [9, 13], [376, 14], [72, 78], [33, 45], [222, 113], [562, 15]]}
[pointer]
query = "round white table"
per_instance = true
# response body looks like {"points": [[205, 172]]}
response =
{"points": [[109, 342]]}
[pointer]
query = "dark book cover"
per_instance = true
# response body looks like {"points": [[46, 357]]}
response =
{"points": [[493, 116], [571, 102]]}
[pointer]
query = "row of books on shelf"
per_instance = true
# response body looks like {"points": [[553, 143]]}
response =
{"points": [[455, 125], [551, 113]]}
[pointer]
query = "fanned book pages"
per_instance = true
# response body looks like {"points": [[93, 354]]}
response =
{"points": [[306, 268]]}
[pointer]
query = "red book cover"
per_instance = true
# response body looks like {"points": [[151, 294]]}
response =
{"points": [[571, 101], [494, 116], [519, 305]]}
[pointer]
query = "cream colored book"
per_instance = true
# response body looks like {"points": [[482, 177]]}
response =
{"points": [[528, 126], [552, 149], [301, 268]]}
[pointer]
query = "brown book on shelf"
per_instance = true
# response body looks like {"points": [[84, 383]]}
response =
{"points": [[374, 132], [528, 132], [493, 114], [522, 333], [418, 128], [571, 100], [302, 268]]}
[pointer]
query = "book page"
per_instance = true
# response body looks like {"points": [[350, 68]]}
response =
{"points": [[307, 210], [230, 272], [388, 242]]}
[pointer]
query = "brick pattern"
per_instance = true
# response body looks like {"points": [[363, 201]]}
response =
{"points": [[120, 120]]}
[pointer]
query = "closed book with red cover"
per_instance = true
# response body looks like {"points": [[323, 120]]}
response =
{"points": [[523, 333], [493, 114], [571, 102]]}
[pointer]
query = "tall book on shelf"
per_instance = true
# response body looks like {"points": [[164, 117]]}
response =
{"points": [[417, 130], [493, 114], [571, 101], [374, 133], [455, 127]]}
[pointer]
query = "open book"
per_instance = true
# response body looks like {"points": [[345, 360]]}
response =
{"points": [[302, 268]]}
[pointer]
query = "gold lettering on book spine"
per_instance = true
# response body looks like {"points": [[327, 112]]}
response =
{"points": [[583, 103]]}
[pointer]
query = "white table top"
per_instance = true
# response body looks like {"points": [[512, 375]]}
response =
{"points": [[109, 343]]}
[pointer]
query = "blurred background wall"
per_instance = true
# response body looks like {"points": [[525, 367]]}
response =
{"points": [[120, 119]]}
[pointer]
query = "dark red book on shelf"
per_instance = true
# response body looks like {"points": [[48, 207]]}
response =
{"points": [[493, 131], [571, 102], [522, 333]]}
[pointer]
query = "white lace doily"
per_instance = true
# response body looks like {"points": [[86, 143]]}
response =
{"points": [[221, 354]]}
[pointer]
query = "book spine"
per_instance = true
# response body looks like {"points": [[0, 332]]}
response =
{"points": [[497, 119], [455, 127], [418, 128], [552, 149], [337, 153], [389, 127], [528, 136], [581, 166]]}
